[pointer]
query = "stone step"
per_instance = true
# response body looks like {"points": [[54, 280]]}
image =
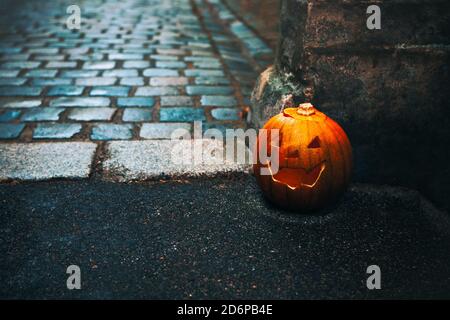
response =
{"points": [[49, 160], [125, 160], [153, 159]]}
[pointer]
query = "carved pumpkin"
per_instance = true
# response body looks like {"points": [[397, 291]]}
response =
{"points": [[315, 159]]}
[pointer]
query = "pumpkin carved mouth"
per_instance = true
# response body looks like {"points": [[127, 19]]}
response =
{"points": [[295, 178]]}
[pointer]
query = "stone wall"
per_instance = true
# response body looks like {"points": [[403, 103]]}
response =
{"points": [[388, 88]]}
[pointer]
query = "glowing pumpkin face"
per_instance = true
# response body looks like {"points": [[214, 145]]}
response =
{"points": [[315, 159]]}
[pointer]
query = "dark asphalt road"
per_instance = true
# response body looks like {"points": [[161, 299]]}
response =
{"points": [[216, 239]]}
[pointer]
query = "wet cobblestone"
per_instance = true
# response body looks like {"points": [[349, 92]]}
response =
{"points": [[131, 65], [10, 131], [56, 130], [110, 131], [9, 115], [91, 114], [137, 115], [42, 114]]}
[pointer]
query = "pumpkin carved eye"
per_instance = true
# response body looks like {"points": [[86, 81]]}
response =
{"points": [[315, 143]]}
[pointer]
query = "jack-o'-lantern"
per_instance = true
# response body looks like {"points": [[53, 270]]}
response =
{"points": [[314, 159]]}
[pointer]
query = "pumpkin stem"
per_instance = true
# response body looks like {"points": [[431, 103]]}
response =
{"points": [[306, 109]]}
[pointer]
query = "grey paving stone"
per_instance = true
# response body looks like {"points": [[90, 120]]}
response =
{"points": [[132, 81], [41, 73], [51, 81], [219, 101], [171, 64], [86, 57], [12, 81], [81, 50], [20, 91], [49, 58], [225, 114], [136, 46], [61, 64], [8, 73], [235, 57], [40, 161], [241, 30], [203, 73], [126, 56], [136, 64], [209, 90], [10, 50], [8, 115], [19, 103], [79, 73], [111, 91], [98, 45], [256, 46], [162, 130], [121, 73], [56, 130], [65, 91], [168, 81], [163, 57], [49, 51], [143, 102], [171, 52], [221, 38], [196, 58], [154, 72], [10, 131], [99, 65], [211, 80], [110, 131], [91, 114], [168, 42], [149, 159], [156, 91], [208, 64], [20, 65], [80, 102], [96, 81], [181, 114], [199, 44], [15, 56], [176, 101], [137, 114], [42, 114]]}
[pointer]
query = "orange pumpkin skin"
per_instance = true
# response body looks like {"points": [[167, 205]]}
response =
{"points": [[315, 160]]}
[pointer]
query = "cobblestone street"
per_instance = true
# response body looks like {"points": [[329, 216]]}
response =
{"points": [[135, 70], [91, 179]]}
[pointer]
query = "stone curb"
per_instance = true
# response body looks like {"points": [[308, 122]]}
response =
{"points": [[156, 159], [47, 160], [124, 160]]}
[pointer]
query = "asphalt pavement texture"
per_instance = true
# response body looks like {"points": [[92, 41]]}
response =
{"points": [[216, 239]]}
